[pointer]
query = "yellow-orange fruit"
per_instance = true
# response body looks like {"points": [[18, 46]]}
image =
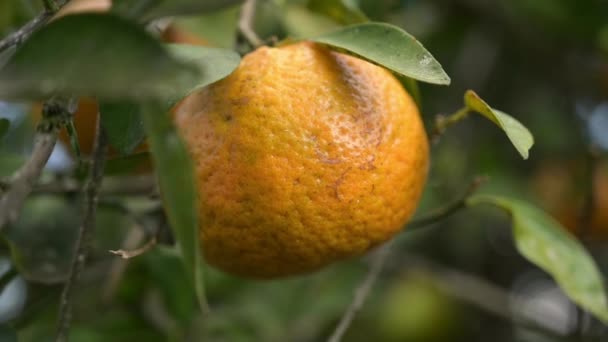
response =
{"points": [[303, 157]]}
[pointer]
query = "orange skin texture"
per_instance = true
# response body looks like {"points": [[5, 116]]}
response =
{"points": [[303, 157]]}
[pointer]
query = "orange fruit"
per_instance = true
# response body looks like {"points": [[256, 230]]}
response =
{"points": [[303, 157]]}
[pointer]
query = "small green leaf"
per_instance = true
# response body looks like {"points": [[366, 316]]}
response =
{"points": [[4, 125], [519, 135], [146, 10], [540, 239], [96, 55], [390, 47], [344, 12], [176, 179], [213, 64], [122, 122]]}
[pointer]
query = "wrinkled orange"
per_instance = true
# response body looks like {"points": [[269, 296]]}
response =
{"points": [[303, 157]]}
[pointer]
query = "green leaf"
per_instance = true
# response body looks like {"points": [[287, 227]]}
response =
{"points": [[176, 179], [390, 47], [541, 239], [4, 125], [519, 135], [300, 22], [147, 10], [344, 12], [93, 55], [213, 64], [123, 125]]}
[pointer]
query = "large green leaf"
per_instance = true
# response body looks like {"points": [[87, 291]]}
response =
{"points": [[176, 179], [123, 125], [390, 47], [519, 135], [147, 10], [93, 54], [541, 240], [213, 64]]}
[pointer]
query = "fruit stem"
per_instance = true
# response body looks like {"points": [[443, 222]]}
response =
{"points": [[442, 122], [246, 23]]}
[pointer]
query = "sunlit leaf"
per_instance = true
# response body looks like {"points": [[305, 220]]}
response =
{"points": [[93, 54], [390, 47], [176, 179], [519, 135], [541, 239], [123, 125], [147, 10], [344, 12]]}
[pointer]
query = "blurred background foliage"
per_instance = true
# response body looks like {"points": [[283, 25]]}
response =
{"points": [[543, 61]]}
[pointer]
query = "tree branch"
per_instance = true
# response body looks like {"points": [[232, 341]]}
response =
{"points": [[132, 253], [246, 23], [361, 293], [442, 213], [364, 288], [50, 6], [85, 233], [24, 32], [141, 185], [18, 187]]}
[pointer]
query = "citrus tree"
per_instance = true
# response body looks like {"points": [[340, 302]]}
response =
{"points": [[283, 171]]}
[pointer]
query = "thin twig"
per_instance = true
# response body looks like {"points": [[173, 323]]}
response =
{"points": [[246, 20], [363, 290], [19, 36], [50, 6], [24, 32], [476, 291], [361, 293], [442, 213], [20, 184], [442, 123], [135, 237], [85, 232], [132, 253], [141, 185]]}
